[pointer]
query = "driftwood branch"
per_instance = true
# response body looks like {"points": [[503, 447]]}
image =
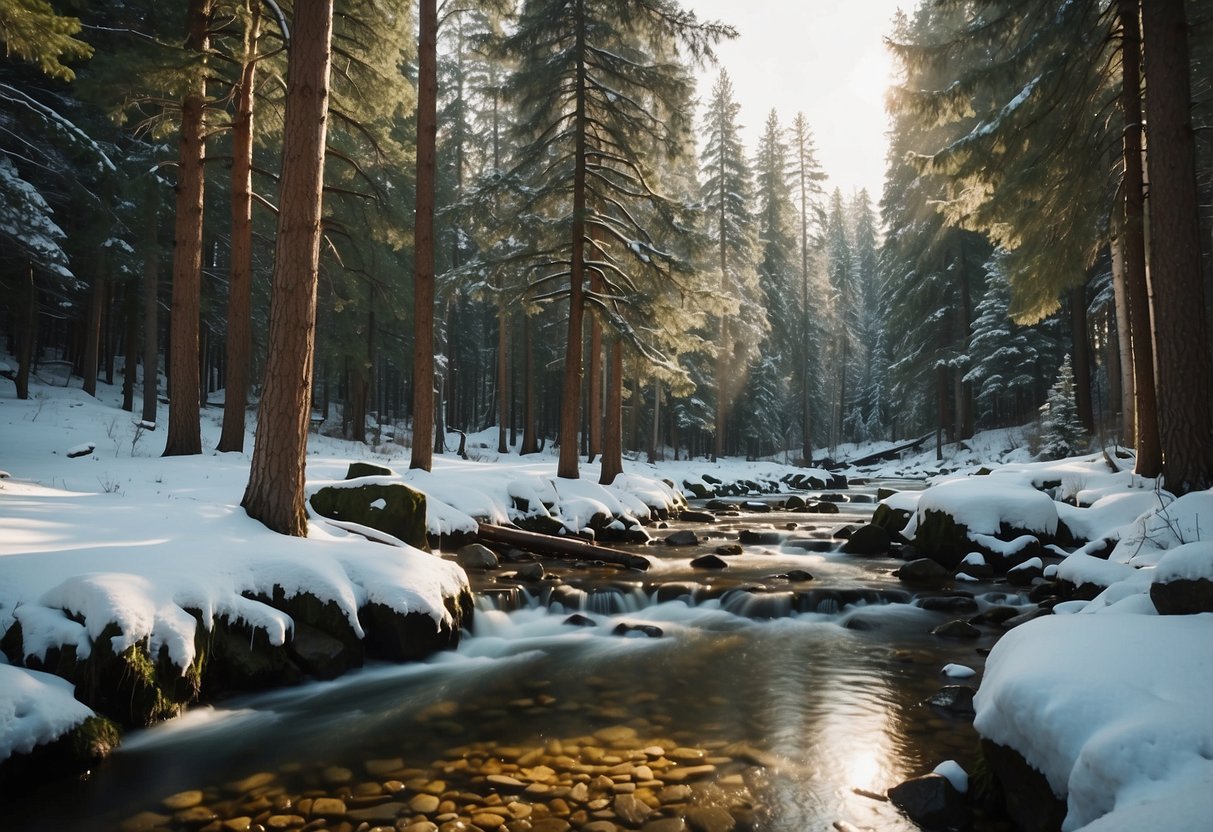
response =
{"points": [[559, 547]]}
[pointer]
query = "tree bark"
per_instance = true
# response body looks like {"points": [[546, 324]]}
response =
{"points": [[1177, 292], [1082, 357], [130, 337], [151, 308], [29, 331], [92, 332], [503, 369], [570, 402], [1149, 451], [530, 438], [612, 440], [423, 237], [1124, 344], [239, 299], [184, 429], [275, 493]]}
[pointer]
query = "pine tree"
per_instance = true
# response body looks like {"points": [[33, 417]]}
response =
{"points": [[274, 494], [598, 98], [1062, 433], [726, 188], [808, 176]]}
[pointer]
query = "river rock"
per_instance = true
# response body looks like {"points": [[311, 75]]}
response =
{"points": [[823, 507], [798, 575], [383, 813], [531, 572], [476, 556], [709, 562], [182, 800], [758, 537], [729, 549], [284, 821], [949, 603], [956, 699], [328, 807], [1025, 617], [691, 516], [794, 503], [665, 825], [630, 810], [924, 572], [956, 629], [931, 801], [393, 508], [648, 630], [319, 654], [358, 470], [868, 540], [682, 537], [756, 506], [550, 825], [1182, 597], [195, 816], [710, 819], [579, 620]]}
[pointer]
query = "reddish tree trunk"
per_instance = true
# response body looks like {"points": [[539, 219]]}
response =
{"points": [[1149, 451], [1181, 346], [184, 431], [423, 238], [275, 489], [151, 308], [612, 441], [240, 287]]}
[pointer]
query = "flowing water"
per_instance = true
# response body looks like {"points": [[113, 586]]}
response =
{"points": [[791, 703]]}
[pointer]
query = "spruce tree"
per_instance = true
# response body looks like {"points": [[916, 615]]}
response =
{"points": [[1062, 433]]}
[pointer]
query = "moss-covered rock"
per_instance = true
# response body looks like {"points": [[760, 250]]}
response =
{"points": [[358, 470], [397, 636], [393, 508], [892, 520], [73, 753]]}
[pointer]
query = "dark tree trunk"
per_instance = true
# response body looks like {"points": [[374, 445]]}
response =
{"points": [[503, 372], [1176, 289], [28, 331], [1124, 346], [1149, 451], [1082, 357], [570, 401], [275, 493], [423, 237], [90, 363], [612, 440], [239, 300], [594, 414], [184, 430], [151, 308], [530, 438], [130, 337]]}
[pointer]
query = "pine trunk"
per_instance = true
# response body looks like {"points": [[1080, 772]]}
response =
{"points": [[423, 238], [130, 336], [28, 333], [1124, 344], [275, 493], [570, 401], [1149, 451], [1082, 357], [151, 309], [92, 332], [1177, 292], [612, 440], [239, 300], [503, 371], [530, 437], [594, 381], [184, 430]]}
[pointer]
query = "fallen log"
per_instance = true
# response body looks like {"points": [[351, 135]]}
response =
{"points": [[559, 547], [889, 453]]}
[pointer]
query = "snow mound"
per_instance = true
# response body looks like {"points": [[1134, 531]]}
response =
{"points": [[984, 504], [35, 708]]}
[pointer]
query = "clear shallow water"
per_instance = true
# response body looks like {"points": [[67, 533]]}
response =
{"points": [[807, 709]]}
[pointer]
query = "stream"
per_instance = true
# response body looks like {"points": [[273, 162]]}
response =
{"points": [[784, 693]]}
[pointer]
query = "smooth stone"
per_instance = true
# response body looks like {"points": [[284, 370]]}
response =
{"points": [[956, 629], [384, 812], [675, 794], [476, 556], [630, 810], [729, 549], [579, 620], [424, 804], [488, 820], [615, 733], [421, 826], [681, 773], [709, 562], [520, 811], [195, 816], [328, 807], [144, 821], [240, 824], [182, 800], [253, 781], [710, 819], [505, 781], [665, 825], [283, 821], [683, 754], [550, 825], [684, 537], [600, 826]]}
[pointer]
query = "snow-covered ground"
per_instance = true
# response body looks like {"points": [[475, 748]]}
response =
{"points": [[96, 523], [1106, 698]]}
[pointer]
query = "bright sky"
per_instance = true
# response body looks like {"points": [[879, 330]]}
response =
{"points": [[825, 58]]}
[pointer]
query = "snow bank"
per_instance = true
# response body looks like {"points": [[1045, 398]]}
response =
{"points": [[1112, 709], [35, 708], [983, 504]]}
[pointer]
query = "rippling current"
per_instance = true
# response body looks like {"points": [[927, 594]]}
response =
{"points": [[829, 703]]}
